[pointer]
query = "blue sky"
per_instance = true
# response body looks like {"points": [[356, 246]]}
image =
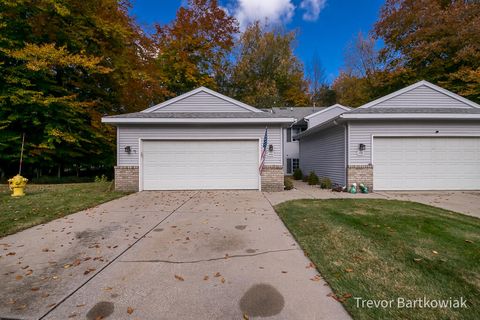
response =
{"points": [[324, 26]]}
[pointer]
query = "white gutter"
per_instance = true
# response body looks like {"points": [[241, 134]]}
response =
{"points": [[195, 120], [353, 116]]}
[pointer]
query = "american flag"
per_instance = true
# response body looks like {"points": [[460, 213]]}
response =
{"points": [[264, 151]]}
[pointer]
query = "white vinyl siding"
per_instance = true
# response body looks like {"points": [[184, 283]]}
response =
{"points": [[422, 97], [324, 153], [200, 164], [129, 135], [364, 131], [202, 102], [426, 163]]}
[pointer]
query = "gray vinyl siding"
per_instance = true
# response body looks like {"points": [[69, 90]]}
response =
{"points": [[325, 116], [422, 97], [324, 153], [202, 102], [129, 135], [364, 131]]}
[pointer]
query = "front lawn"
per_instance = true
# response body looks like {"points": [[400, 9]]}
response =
{"points": [[381, 249], [48, 202]]}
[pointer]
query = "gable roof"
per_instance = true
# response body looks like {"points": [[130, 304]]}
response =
{"points": [[298, 113], [242, 106], [422, 95], [337, 105]]}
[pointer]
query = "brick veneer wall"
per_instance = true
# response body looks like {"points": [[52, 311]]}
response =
{"points": [[272, 178], [126, 178], [360, 174]]}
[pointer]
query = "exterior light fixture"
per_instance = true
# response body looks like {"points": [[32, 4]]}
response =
{"points": [[128, 149], [361, 147], [270, 148]]}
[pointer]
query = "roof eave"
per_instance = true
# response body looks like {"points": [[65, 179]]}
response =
{"points": [[112, 120], [408, 116]]}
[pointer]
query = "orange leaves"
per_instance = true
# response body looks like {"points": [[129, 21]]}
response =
{"points": [[130, 310], [179, 278]]}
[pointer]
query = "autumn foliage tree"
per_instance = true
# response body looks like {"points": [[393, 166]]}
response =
{"points": [[436, 40], [193, 50], [266, 72], [64, 64]]}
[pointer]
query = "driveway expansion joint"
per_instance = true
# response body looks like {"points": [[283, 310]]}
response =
{"points": [[211, 259], [116, 257]]}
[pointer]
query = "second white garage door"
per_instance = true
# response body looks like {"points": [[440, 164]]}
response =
{"points": [[200, 164], [426, 163]]}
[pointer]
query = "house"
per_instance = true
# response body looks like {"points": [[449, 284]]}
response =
{"points": [[291, 155], [422, 137], [199, 140]]}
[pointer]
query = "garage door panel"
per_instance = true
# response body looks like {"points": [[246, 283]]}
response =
{"points": [[203, 164], [426, 163]]}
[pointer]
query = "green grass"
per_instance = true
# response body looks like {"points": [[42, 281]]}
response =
{"points": [[44, 203], [381, 249]]}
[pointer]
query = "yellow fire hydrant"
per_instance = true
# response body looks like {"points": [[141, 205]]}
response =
{"points": [[17, 185]]}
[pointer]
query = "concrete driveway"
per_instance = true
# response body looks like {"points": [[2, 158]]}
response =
{"points": [[163, 255]]}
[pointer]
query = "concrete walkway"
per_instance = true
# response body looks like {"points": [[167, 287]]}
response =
{"points": [[163, 255], [466, 202]]}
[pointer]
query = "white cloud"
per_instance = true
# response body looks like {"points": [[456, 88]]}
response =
{"points": [[312, 9], [274, 11]]}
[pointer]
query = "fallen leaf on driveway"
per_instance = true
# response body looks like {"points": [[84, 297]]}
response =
{"points": [[310, 265], [179, 278], [35, 289], [316, 278], [205, 278], [222, 280], [107, 289], [11, 253], [18, 277], [129, 310], [216, 275]]}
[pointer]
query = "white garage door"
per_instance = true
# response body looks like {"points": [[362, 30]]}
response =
{"points": [[412, 163], [193, 165]]}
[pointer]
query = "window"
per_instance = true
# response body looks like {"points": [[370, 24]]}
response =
{"points": [[295, 164], [295, 132], [289, 134], [292, 165]]}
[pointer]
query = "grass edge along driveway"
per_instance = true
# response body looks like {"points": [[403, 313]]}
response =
{"points": [[389, 249], [44, 203]]}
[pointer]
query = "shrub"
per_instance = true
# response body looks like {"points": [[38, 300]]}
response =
{"points": [[305, 178], [312, 179], [297, 174], [325, 183], [102, 178], [288, 183]]}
